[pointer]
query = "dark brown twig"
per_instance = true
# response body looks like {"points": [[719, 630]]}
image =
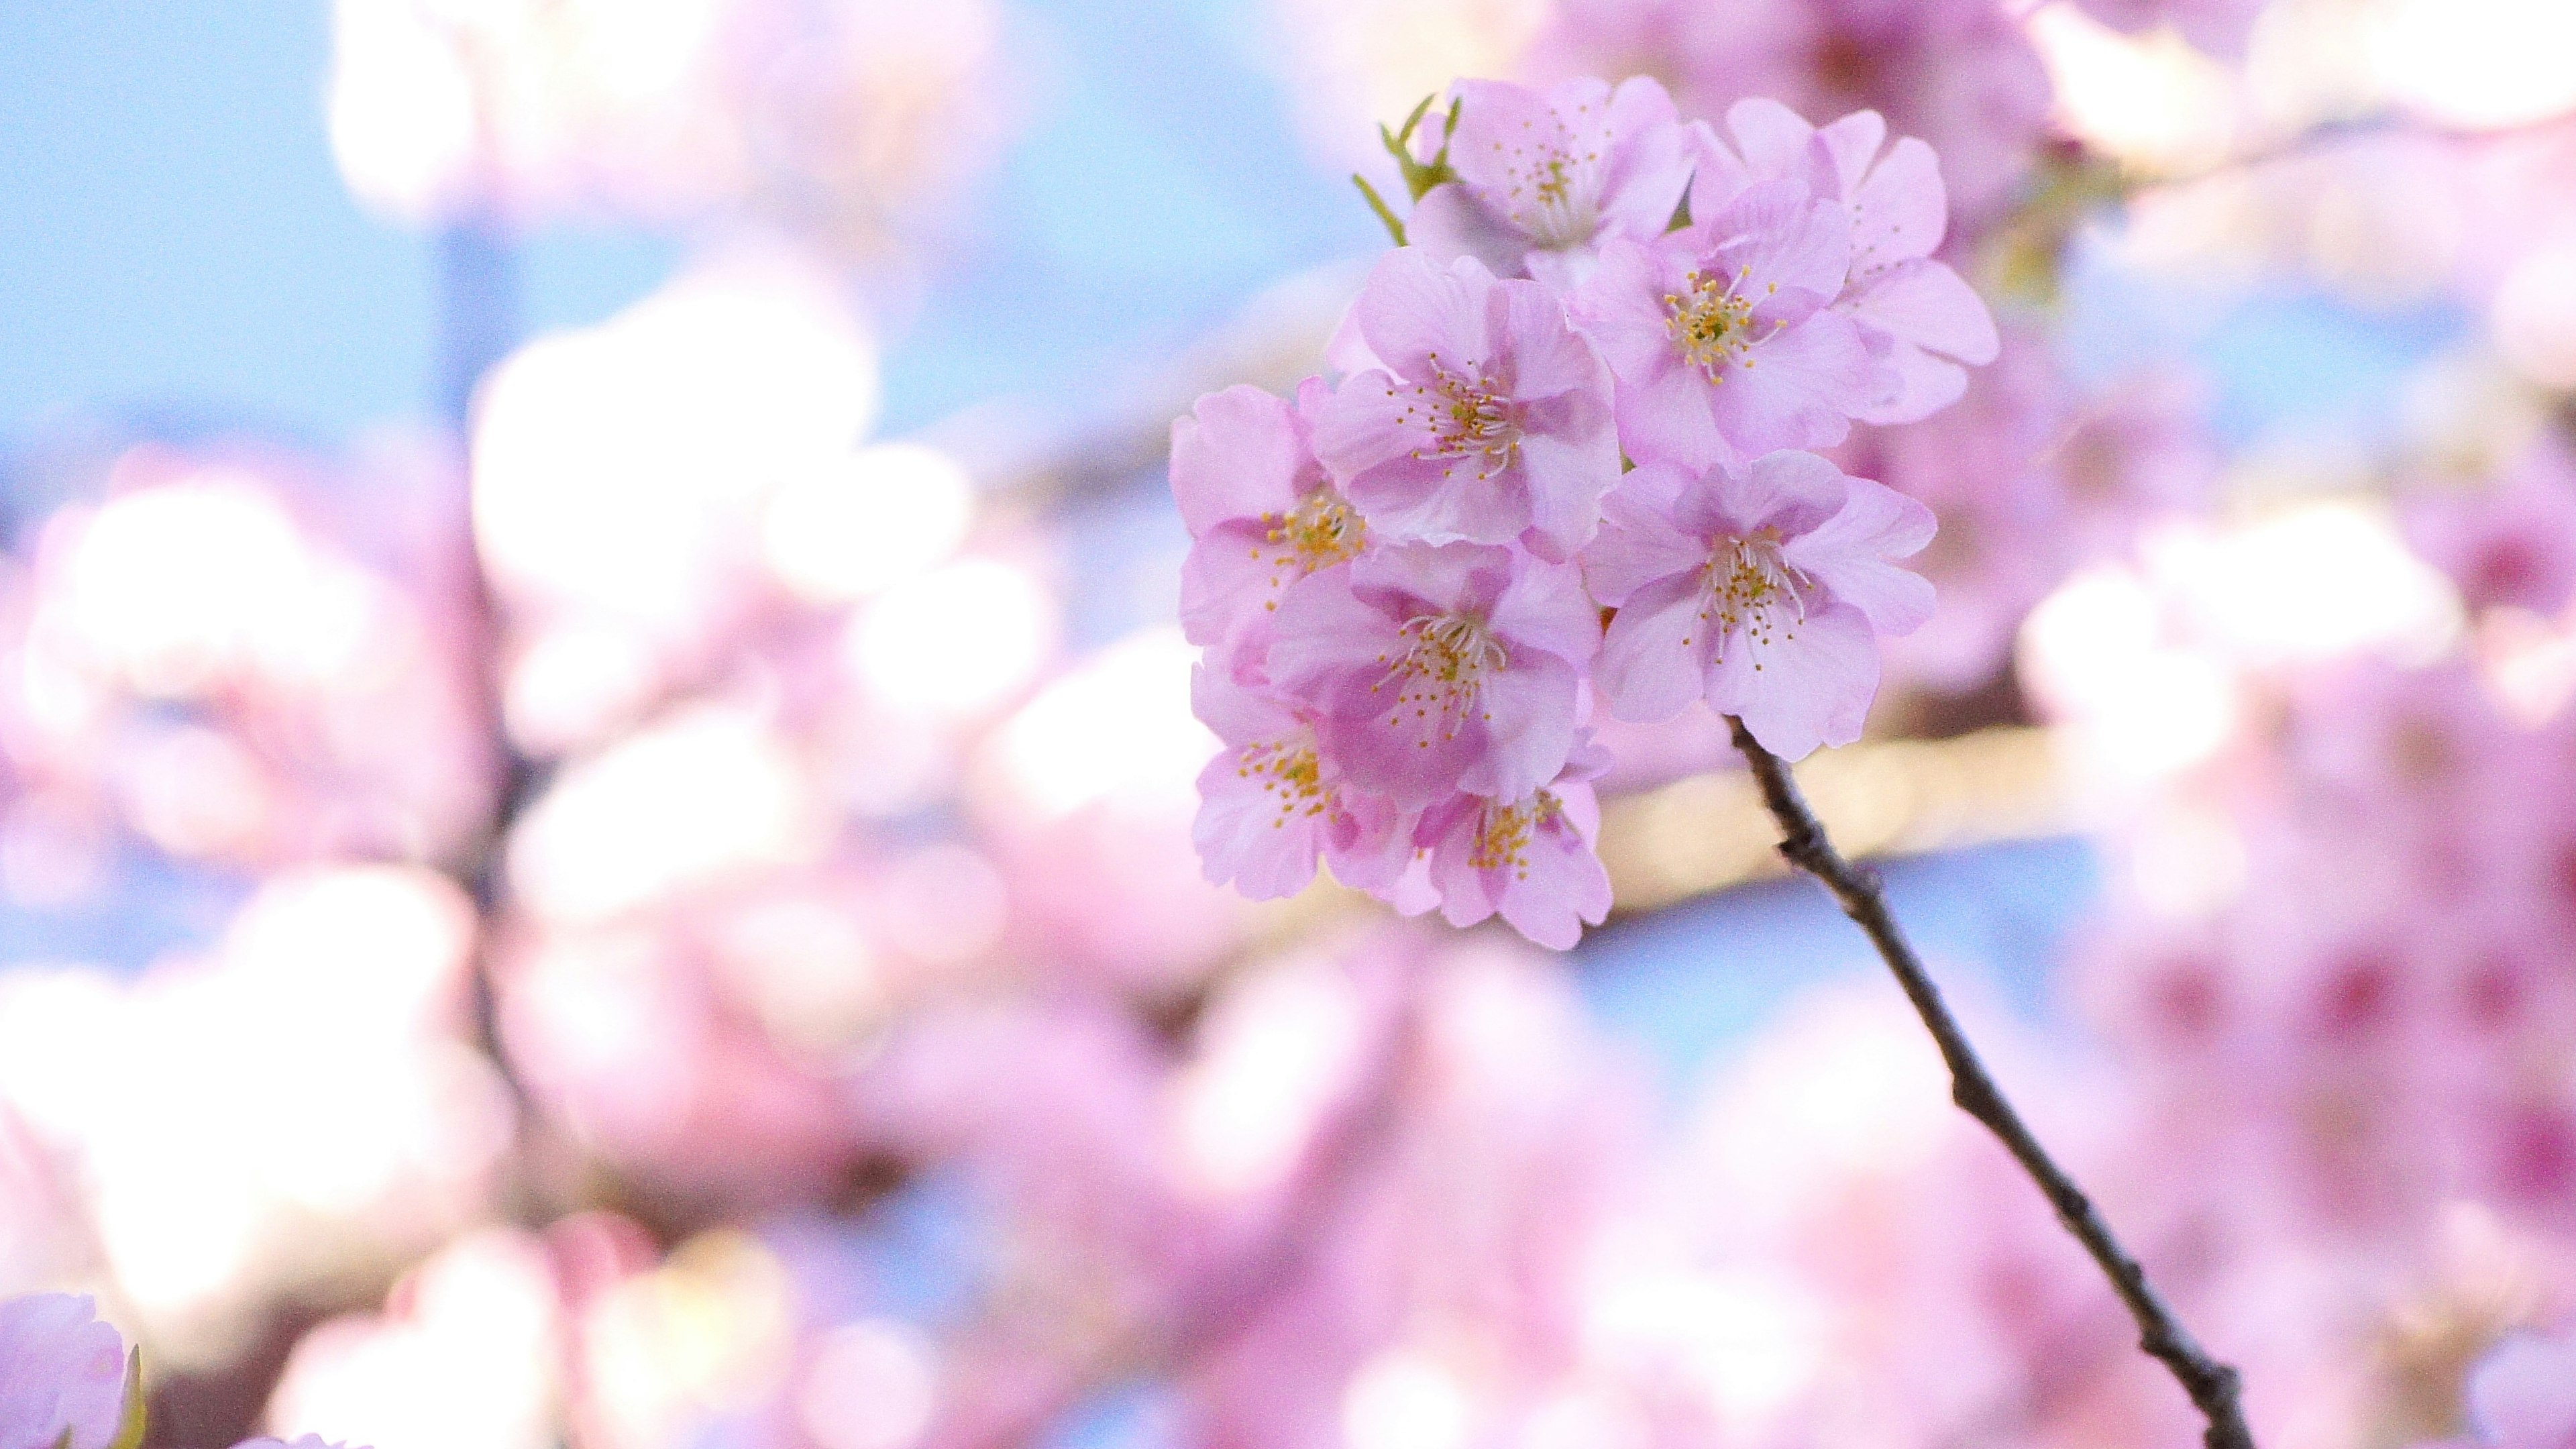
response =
{"points": [[2212, 1385]]}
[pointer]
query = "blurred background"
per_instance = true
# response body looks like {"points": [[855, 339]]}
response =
{"points": [[595, 768]]}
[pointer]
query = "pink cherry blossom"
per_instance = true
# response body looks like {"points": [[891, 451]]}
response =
{"points": [[1545, 176], [1919, 320], [1720, 334], [2522, 1395], [1761, 589], [1435, 668], [62, 1374], [1530, 860], [1486, 419], [1274, 802], [308, 1441], [1262, 511]]}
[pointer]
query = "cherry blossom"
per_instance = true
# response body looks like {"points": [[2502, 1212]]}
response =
{"points": [[1545, 176], [1485, 418], [1762, 590], [1919, 320], [1262, 511], [1274, 802], [1529, 860], [1720, 334], [1435, 668]]}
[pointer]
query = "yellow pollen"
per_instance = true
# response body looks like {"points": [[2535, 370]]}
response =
{"points": [[1504, 832], [1442, 676], [1292, 771], [1753, 592], [1712, 323], [1321, 531], [1467, 418]]}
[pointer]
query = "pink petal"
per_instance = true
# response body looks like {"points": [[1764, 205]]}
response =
{"points": [[1900, 209], [1545, 607], [1413, 309], [1529, 721], [1849, 554], [1543, 357], [1811, 686], [1654, 660], [1796, 389], [1853, 143], [1667, 414], [1449, 223], [1638, 543], [1773, 140], [1237, 455], [1925, 303]]}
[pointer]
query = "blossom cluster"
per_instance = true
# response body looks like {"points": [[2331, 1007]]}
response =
{"points": [[1564, 461]]}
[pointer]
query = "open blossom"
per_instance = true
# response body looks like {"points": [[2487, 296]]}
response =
{"points": [[1528, 859], [62, 1374], [1545, 176], [1917, 318], [1485, 419], [1274, 802], [1436, 668], [1261, 509], [1761, 589], [1721, 336]]}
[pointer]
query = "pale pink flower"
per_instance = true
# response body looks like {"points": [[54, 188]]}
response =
{"points": [[1761, 589], [1529, 860], [1918, 318], [2522, 1395], [1273, 803], [1435, 668], [308, 1441], [1720, 334], [1262, 511], [1544, 176], [62, 1374], [1485, 420]]}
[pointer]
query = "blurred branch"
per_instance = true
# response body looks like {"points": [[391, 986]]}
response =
{"points": [[2212, 1385]]}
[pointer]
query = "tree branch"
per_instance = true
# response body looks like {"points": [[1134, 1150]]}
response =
{"points": [[2212, 1385]]}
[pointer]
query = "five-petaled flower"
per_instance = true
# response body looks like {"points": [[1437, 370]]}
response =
{"points": [[1721, 335], [1485, 419], [1545, 177], [1761, 589]]}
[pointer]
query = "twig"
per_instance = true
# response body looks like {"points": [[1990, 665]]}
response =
{"points": [[2212, 1385]]}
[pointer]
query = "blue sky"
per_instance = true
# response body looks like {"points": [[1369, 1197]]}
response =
{"points": [[174, 240]]}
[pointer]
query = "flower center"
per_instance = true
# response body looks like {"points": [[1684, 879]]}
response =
{"points": [[1554, 196], [1290, 769], [1442, 673], [1469, 419], [1753, 592], [1321, 531], [1504, 832], [1713, 323]]}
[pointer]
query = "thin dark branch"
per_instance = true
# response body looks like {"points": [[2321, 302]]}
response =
{"points": [[2212, 1385]]}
